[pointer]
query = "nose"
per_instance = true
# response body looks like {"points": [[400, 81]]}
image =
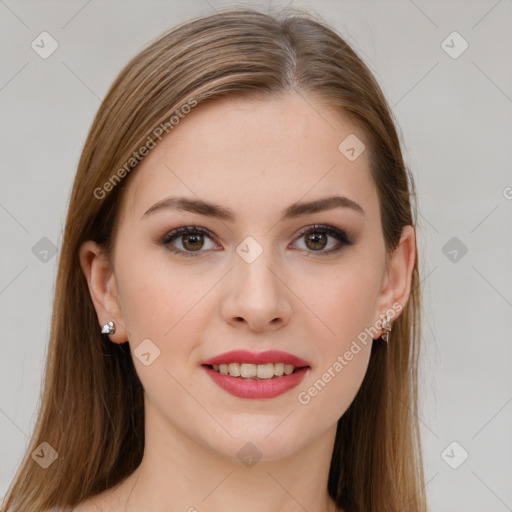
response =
{"points": [[256, 296]]}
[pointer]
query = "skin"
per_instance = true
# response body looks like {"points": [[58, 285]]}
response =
{"points": [[255, 157]]}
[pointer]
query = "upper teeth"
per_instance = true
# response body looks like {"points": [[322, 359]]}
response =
{"points": [[262, 371]]}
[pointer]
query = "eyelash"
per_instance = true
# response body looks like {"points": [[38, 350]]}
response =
{"points": [[336, 233]]}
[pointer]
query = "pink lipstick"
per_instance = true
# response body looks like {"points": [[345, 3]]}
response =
{"points": [[256, 375]]}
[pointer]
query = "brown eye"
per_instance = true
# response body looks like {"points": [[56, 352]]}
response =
{"points": [[316, 239], [192, 240]]}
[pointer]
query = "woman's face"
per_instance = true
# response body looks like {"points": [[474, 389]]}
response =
{"points": [[261, 269]]}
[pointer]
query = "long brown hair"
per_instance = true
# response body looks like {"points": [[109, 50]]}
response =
{"points": [[92, 407]]}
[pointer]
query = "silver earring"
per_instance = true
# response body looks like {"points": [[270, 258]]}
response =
{"points": [[108, 328], [386, 325]]}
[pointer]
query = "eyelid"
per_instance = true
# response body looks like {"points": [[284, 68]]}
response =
{"points": [[330, 230], [183, 230], [339, 234]]}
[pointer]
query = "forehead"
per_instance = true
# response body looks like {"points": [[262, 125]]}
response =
{"points": [[255, 154]]}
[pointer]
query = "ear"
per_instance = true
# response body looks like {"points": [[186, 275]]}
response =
{"points": [[396, 281], [103, 288]]}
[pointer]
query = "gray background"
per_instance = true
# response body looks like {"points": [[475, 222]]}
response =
{"points": [[455, 116]]}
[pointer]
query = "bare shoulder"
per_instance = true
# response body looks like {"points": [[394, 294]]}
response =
{"points": [[84, 506], [103, 502], [110, 500]]}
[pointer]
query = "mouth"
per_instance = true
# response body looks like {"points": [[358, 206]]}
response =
{"points": [[256, 375], [254, 371]]}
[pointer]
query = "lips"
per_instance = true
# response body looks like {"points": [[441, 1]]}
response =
{"points": [[268, 356], [264, 386]]}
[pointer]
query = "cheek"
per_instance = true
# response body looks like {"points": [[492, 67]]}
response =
{"points": [[343, 353], [346, 301], [154, 294], [156, 304], [331, 390], [346, 306]]}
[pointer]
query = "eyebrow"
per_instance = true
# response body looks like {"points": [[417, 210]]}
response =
{"points": [[220, 212]]}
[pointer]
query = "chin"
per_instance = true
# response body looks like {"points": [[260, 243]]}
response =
{"points": [[264, 440]]}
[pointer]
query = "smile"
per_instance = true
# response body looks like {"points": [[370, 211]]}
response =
{"points": [[256, 375], [255, 371]]}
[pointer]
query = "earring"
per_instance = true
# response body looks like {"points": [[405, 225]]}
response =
{"points": [[108, 328], [386, 326]]}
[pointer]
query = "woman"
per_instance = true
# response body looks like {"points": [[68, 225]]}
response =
{"points": [[236, 316]]}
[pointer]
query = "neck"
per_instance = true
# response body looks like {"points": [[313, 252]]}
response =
{"points": [[183, 473]]}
